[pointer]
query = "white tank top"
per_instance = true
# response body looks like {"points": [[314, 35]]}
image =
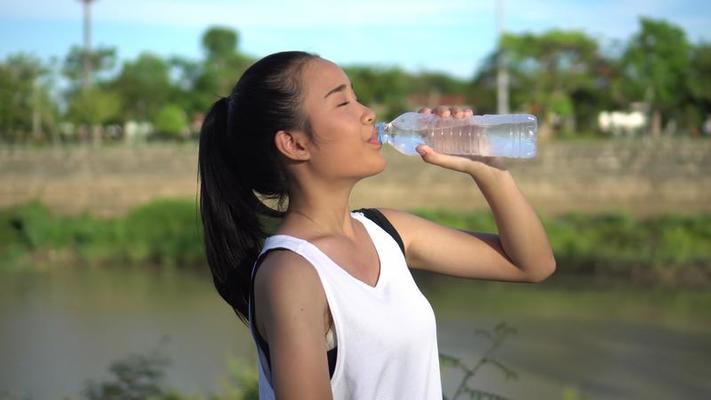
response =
{"points": [[386, 334]]}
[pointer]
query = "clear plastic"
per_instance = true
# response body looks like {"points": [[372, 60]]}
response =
{"points": [[509, 135]]}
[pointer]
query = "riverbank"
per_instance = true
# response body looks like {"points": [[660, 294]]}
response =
{"points": [[666, 249], [641, 176]]}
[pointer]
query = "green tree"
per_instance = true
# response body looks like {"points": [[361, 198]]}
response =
{"points": [[224, 63], [144, 86], [170, 121], [699, 86], [26, 105], [481, 90], [700, 73], [220, 43], [103, 61], [185, 75], [94, 107], [385, 90], [656, 65], [548, 71]]}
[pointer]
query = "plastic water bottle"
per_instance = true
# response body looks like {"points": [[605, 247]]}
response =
{"points": [[507, 135]]}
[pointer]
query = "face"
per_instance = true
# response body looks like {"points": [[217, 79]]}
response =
{"points": [[343, 128]]}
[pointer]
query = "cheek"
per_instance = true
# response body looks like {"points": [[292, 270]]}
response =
{"points": [[348, 158]]}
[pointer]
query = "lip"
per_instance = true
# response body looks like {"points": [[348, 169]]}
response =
{"points": [[374, 137]]}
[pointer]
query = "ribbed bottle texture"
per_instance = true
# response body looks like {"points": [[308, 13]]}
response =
{"points": [[511, 135]]}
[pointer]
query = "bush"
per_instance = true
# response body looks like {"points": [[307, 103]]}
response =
{"points": [[165, 232], [171, 121], [169, 232]]}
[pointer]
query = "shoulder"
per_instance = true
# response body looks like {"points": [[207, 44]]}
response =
{"points": [[290, 304], [285, 285], [283, 272], [406, 224], [394, 215]]}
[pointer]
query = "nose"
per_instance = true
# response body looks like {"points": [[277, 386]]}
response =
{"points": [[368, 116]]}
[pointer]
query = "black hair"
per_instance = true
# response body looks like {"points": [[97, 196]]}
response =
{"points": [[239, 165]]}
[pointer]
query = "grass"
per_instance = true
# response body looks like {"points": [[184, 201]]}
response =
{"points": [[670, 248]]}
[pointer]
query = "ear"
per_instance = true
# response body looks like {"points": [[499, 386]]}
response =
{"points": [[293, 145]]}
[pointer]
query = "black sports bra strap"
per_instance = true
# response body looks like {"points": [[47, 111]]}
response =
{"points": [[376, 216]]}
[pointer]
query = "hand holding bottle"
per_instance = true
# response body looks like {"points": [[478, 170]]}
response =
{"points": [[458, 132], [459, 163]]}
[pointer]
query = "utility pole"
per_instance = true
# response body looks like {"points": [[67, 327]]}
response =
{"points": [[86, 82], [502, 74]]}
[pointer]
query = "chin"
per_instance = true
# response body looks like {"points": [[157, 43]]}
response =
{"points": [[378, 168]]}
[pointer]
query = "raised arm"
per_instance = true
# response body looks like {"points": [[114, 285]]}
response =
{"points": [[290, 306], [519, 252]]}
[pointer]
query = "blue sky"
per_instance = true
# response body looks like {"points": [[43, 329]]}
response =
{"points": [[452, 36]]}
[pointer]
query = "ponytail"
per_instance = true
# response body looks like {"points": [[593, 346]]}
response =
{"points": [[236, 160], [230, 228]]}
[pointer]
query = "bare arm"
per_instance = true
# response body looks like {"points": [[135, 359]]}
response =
{"points": [[290, 304], [521, 250], [519, 253]]}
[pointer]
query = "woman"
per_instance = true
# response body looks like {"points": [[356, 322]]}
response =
{"points": [[328, 296]]}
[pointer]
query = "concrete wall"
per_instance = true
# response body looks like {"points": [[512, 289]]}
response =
{"points": [[640, 176]]}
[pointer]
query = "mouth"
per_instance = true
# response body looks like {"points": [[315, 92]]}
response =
{"points": [[374, 137]]}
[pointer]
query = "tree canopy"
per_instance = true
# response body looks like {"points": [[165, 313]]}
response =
{"points": [[565, 77]]}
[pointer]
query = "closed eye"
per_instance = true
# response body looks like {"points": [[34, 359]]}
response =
{"points": [[347, 102]]}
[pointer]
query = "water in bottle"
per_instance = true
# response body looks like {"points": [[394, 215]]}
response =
{"points": [[509, 135]]}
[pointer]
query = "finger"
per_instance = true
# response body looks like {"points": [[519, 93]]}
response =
{"points": [[442, 160], [455, 111], [423, 149], [442, 111], [468, 112], [425, 110]]}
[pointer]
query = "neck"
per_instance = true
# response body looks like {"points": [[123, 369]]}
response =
{"points": [[320, 209]]}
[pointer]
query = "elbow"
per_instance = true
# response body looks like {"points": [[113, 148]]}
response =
{"points": [[543, 271]]}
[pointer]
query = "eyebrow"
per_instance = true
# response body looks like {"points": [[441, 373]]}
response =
{"points": [[338, 88]]}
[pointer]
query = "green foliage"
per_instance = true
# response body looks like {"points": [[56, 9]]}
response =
{"points": [[548, 69], [612, 244], [656, 64], [169, 233], [24, 228], [219, 43], [171, 121], [474, 221], [94, 106], [102, 59], [224, 64], [384, 89], [242, 381], [163, 232], [23, 88], [166, 232], [699, 82], [565, 77], [144, 85]]}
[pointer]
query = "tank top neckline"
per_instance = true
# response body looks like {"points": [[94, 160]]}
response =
{"points": [[365, 222]]}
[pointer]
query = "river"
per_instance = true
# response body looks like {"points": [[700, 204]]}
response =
{"points": [[60, 327]]}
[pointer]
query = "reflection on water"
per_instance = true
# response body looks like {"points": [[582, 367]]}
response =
{"points": [[60, 328]]}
